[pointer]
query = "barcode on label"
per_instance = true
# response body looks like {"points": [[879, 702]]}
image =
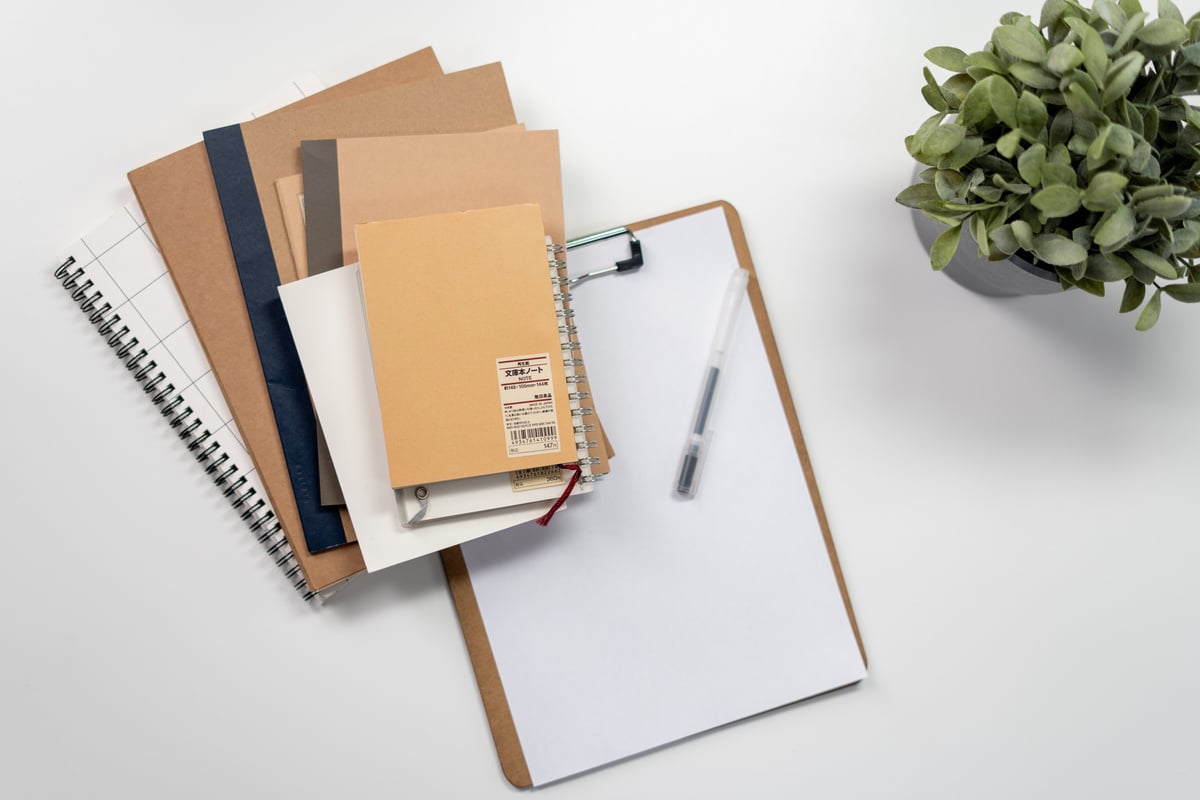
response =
{"points": [[526, 434]]}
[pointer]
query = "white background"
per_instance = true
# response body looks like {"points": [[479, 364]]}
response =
{"points": [[1010, 484]]}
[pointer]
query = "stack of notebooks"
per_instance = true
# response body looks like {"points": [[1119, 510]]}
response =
{"points": [[356, 312]]}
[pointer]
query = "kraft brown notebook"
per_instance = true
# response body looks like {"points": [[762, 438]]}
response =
{"points": [[470, 363], [180, 199], [246, 160], [641, 619], [350, 181]]}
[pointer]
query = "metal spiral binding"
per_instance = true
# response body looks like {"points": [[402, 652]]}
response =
{"points": [[207, 451], [573, 366]]}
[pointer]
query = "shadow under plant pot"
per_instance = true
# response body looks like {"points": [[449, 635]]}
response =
{"points": [[1012, 277]]}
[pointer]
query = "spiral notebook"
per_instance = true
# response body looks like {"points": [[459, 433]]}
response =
{"points": [[116, 274]]}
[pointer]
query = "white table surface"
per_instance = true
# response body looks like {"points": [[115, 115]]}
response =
{"points": [[1011, 484]]}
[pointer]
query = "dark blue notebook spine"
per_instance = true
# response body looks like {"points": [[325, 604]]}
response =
{"points": [[286, 386]]}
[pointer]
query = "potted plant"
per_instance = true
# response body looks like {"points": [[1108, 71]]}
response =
{"points": [[1068, 150]]}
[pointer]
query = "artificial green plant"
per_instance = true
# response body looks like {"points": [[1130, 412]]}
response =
{"points": [[1071, 141]]}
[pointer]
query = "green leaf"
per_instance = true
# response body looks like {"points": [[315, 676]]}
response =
{"points": [[1052, 11], [991, 194], [957, 86], [1031, 114], [966, 150], [1168, 10], [1012, 187], [1063, 58], [980, 233], [1157, 190], [1104, 190], [1029, 164], [1164, 207], [1114, 227], [1184, 292], [1061, 127], [1077, 98], [1058, 250], [1163, 33], [1095, 54], [1129, 30], [943, 139], [1120, 140], [1183, 239], [917, 140], [1024, 233], [1130, 7], [1191, 53], [1155, 262], [1059, 155], [935, 99], [947, 183], [944, 247], [1111, 13], [976, 107], [1135, 293], [916, 194], [1033, 76], [982, 64], [1004, 239], [1004, 101], [1121, 75], [1008, 144], [1096, 152], [950, 58], [1090, 286], [1054, 172], [1057, 201], [1150, 313], [1107, 267], [1020, 43], [933, 93]]}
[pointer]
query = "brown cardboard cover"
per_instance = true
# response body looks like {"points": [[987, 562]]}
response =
{"points": [[495, 703], [447, 296], [291, 204], [405, 176], [179, 198]]}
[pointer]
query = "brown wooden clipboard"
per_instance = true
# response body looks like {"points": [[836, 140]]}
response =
{"points": [[499, 714]]}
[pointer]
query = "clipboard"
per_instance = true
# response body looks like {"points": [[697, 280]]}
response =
{"points": [[503, 678]]}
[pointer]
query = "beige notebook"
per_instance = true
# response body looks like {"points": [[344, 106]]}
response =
{"points": [[472, 368]]}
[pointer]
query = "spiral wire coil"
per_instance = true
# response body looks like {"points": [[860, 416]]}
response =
{"points": [[171, 404]]}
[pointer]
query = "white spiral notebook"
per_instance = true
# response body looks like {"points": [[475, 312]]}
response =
{"points": [[117, 276]]}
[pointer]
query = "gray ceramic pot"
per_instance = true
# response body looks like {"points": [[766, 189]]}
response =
{"points": [[1010, 278]]}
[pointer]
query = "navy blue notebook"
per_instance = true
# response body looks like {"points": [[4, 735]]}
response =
{"points": [[286, 386]]}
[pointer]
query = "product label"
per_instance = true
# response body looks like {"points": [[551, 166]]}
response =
{"points": [[537, 478], [527, 403]]}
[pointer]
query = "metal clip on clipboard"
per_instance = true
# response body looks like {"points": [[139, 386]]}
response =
{"points": [[627, 265]]}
